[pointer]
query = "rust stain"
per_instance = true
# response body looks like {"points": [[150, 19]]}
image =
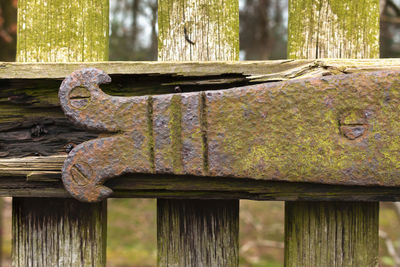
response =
{"points": [[91, 163], [338, 129]]}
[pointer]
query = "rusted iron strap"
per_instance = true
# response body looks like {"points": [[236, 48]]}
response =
{"points": [[341, 129]]}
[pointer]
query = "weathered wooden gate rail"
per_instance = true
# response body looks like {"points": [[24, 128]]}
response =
{"points": [[29, 104], [35, 135], [39, 176], [255, 71]]}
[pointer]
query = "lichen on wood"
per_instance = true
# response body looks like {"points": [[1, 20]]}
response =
{"points": [[198, 30], [333, 29], [53, 232], [194, 30], [32, 122], [329, 233], [62, 31]]}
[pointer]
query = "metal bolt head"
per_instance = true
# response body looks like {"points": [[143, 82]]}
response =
{"points": [[79, 97], [354, 124]]}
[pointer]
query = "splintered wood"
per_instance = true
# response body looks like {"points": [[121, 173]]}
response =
{"points": [[339, 129]]}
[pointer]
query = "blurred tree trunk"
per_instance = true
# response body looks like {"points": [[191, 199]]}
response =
{"points": [[8, 43], [8, 29], [390, 28], [254, 37], [262, 32], [154, 42], [134, 27]]}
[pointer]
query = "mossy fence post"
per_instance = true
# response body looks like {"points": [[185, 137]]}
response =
{"points": [[50, 231], [198, 232], [194, 232], [332, 233]]}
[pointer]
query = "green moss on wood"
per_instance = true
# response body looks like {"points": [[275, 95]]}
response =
{"points": [[62, 31], [322, 233], [210, 229], [333, 29], [175, 126], [66, 232]]}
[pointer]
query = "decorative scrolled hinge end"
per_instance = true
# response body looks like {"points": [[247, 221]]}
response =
{"points": [[80, 181], [80, 98]]}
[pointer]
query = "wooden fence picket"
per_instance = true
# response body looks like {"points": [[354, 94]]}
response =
{"points": [[195, 232], [197, 217], [332, 233], [58, 231]]}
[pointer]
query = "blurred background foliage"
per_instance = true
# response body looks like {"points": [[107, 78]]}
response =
{"points": [[263, 35]]}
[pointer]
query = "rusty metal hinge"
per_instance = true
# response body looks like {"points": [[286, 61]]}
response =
{"points": [[336, 130]]}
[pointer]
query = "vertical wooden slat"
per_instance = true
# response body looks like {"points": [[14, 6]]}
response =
{"points": [[198, 232], [49, 231], [332, 233], [198, 30], [333, 29], [58, 232]]}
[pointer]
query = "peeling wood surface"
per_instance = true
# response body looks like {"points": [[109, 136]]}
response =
{"points": [[339, 129], [251, 70], [32, 123]]}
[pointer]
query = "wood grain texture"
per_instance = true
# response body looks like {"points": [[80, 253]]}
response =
{"points": [[203, 72], [331, 234], [198, 30], [333, 29], [59, 232], [196, 232], [287, 131], [32, 123], [62, 31], [332, 100], [186, 187], [321, 233]]}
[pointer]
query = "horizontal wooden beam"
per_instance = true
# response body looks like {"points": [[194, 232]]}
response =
{"points": [[167, 186], [32, 123], [253, 70]]}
